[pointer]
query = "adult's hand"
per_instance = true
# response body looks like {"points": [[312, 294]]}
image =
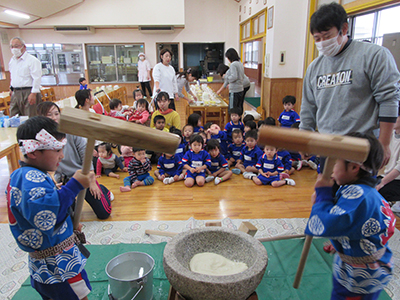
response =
{"points": [[386, 154], [32, 98]]}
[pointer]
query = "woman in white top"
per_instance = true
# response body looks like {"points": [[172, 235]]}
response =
{"points": [[144, 74], [164, 77]]}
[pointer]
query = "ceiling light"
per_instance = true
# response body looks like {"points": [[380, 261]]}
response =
{"points": [[17, 14]]}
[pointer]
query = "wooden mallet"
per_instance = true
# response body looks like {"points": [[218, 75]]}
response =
{"points": [[98, 127], [331, 146]]}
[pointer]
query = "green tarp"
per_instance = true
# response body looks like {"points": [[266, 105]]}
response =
{"points": [[283, 258]]}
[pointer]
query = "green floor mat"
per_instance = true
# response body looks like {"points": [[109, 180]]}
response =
{"points": [[253, 101], [283, 258]]}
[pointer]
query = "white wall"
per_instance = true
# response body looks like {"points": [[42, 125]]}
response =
{"points": [[247, 9], [288, 34], [205, 21]]}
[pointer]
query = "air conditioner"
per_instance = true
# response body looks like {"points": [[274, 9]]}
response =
{"points": [[156, 29], [74, 29]]}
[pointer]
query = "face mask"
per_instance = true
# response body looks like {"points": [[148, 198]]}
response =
{"points": [[141, 58], [330, 47], [16, 52]]}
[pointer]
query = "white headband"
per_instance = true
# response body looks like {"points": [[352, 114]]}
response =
{"points": [[43, 141]]}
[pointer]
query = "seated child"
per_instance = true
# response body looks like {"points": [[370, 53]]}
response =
{"points": [[234, 123], [269, 167], [82, 83], [38, 213], [250, 155], [116, 110], [288, 117], [359, 223], [195, 121], [270, 121], [204, 136], [159, 123], [250, 125], [217, 171], [248, 118], [285, 158], [141, 114], [108, 162], [139, 168], [126, 155], [137, 94], [215, 132], [180, 151], [169, 169], [196, 161], [235, 149], [187, 133], [310, 160]]}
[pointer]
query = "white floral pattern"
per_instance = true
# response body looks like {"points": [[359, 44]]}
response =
{"points": [[16, 195], [367, 246], [45, 220], [35, 176], [371, 227], [31, 238], [337, 210], [352, 192], [345, 241], [315, 225], [37, 192]]}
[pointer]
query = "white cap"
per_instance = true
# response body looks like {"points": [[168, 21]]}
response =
{"points": [[141, 53]]}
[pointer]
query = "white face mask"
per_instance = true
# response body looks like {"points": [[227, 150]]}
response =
{"points": [[141, 58], [16, 52], [330, 47]]}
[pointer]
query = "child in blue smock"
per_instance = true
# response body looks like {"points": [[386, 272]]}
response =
{"points": [[169, 168], [218, 170], [215, 132], [196, 161], [288, 117], [235, 150], [269, 167], [39, 216], [250, 155], [234, 123], [359, 223]]}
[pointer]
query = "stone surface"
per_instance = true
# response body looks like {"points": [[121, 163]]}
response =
{"points": [[234, 245]]}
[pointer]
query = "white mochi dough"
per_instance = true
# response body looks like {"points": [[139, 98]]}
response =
{"points": [[214, 264]]}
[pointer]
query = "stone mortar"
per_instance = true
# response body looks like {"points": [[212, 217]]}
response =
{"points": [[234, 245]]}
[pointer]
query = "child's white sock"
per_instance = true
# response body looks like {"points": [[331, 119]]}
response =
{"points": [[209, 178], [290, 181], [217, 180], [249, 175]]}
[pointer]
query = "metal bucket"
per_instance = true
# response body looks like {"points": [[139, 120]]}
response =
{"points": [[130, 276]]}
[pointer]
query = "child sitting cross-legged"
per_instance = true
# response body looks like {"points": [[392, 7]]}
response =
{"points": [[108, 162], [116, 109], [269, 167], [359, 223], [217, 171], [38, 213], [250, 155], [139, 168], [169, 168], [195, 161], [285, 158], [235, 149]]}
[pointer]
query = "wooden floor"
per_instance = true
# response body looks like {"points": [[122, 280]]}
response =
{"points": [[237, 198]]}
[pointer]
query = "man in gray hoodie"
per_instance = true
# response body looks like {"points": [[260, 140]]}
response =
{"points": [[352, 85]]}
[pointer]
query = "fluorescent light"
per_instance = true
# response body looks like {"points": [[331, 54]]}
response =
{"points": [[17, 14]]}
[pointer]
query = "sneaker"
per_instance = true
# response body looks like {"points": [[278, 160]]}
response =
{"points": [[249, 175], [217, 180], [209, 178], [299, 165], [312, 165], [290, 182], [236, 171], [396, 207], [111, 195]]}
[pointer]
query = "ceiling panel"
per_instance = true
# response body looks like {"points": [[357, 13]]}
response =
{"points": [[40, 8]]}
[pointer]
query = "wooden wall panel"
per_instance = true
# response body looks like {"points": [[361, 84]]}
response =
{"points": [[274, 91], [5, 83]]}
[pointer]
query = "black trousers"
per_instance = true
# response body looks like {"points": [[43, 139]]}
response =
{"points": [[236, 100], [391, 191], [146, 85]]}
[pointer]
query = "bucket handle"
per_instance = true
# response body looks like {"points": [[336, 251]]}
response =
{"points": [[141, 283]]}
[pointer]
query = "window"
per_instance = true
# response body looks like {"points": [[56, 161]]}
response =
{"points": [[251, 54], [373, 25], [113, 63]]}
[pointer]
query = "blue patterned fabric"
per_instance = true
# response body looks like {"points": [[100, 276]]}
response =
{"points": [[38, 220]]}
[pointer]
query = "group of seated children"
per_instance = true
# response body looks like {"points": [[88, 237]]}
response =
{"points": [[207, 153]]}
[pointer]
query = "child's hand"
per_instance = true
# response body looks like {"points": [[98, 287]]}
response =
{"points": [[161, 177], [59, 185], [137, 121], [176, 177], [192, 170], [313, 198], [98, 176], [322, 182], [83, 179], [125, 169]]}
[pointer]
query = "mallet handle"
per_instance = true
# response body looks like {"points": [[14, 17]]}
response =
{"points": [[159, 232], [85, 170], [328, 168]]}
